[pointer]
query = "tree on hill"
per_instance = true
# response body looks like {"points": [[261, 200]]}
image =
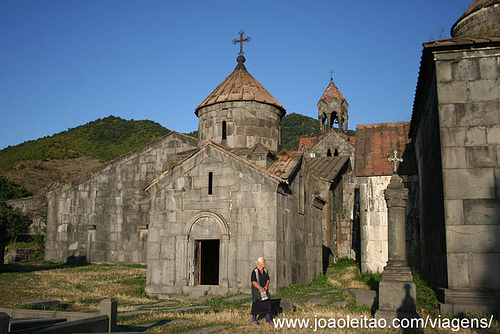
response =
{"points": [[12, 222], [103, 139]]}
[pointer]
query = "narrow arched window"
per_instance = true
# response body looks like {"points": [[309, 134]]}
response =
{"points": [[224, 130], [329, 153], [210, 182], [336, 153]]}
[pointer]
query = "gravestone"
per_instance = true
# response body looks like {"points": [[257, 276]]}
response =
{"points": [[397, 292]]}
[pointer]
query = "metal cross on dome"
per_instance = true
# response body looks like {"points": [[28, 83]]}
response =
{"points": [[395, 159], [241, 40]]}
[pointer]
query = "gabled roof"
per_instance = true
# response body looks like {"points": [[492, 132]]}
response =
{"points": [[240, 86], [316, 141], [257, 149], [332, 93], [376, 143], [326, 168], [212, 149], [285, 165], [144, 148], [306, 143]]}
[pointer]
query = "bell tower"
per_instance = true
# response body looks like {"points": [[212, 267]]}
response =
{"points": [[332, 109]]}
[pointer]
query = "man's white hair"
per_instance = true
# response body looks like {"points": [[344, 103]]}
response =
{"points": [[260, 260]]}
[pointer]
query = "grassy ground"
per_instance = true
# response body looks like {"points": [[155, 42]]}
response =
{"points": [[82, 287]]}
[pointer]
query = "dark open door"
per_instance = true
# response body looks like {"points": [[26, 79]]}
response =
{"points": [[207, 253]]}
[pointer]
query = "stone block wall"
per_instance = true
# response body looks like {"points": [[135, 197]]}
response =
{"points": [[240, 212], [247, 123], [428, 157], [333, 141], [373, 223], [469, 122], [483, 22], [102, 215], [299, 236], [247, 211]]}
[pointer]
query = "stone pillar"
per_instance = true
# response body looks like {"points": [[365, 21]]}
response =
{"points": [[109, 307], [224, 256], [397, 292], [184, 259]]}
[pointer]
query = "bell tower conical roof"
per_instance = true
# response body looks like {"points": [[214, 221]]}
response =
{"points": [[240, 86], [332, 93], [332, 109]]}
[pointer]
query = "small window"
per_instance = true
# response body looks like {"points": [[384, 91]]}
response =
{"points": [[302, 195], [210, 182], [224, 130], [336, 153], [329, 153]]}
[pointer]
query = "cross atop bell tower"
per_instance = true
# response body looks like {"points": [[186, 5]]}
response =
{"points": [[241, 40]]}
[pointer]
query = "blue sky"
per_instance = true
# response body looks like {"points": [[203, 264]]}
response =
{"points": [[65, 63]]}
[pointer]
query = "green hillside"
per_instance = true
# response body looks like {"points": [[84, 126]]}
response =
{"points": [[103, 139], [110, 137], [294, 126]]}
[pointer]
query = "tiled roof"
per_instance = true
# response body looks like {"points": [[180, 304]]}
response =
{"points": [[326, 168], [257, 149], [285, 165], [332, 92], [306, 143], [375, 143], [240, 86]]}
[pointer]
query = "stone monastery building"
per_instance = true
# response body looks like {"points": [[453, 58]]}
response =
{"points": [[199, 212]]}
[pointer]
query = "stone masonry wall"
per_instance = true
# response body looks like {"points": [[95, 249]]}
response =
{"points": [[247, 122], [428, 158], [246, 211], [102, 215], [240, 212], [332, 142], [483, 22], [469, 120], [299, 236], [373, 223]]}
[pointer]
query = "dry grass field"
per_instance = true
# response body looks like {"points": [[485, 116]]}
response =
{"points": [[81, 288]]}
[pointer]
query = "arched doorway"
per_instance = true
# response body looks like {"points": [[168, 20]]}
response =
{"points": [[207, 239]]}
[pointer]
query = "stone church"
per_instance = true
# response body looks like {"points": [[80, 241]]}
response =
{"points": [[200, 211]]}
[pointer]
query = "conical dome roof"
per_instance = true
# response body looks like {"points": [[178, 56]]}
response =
{"points": [[240, 86], [332, 93], [486, 22]]}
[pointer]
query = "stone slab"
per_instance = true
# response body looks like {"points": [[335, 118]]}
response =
{"points": [[316, 301], [42, 304], [364, 297], [193, 309], [128, 314], [208, 330], [287, 304], [18, 324], [341, 303]]}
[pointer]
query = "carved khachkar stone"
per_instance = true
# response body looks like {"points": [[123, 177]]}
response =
{"points": [[397, 292]]}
